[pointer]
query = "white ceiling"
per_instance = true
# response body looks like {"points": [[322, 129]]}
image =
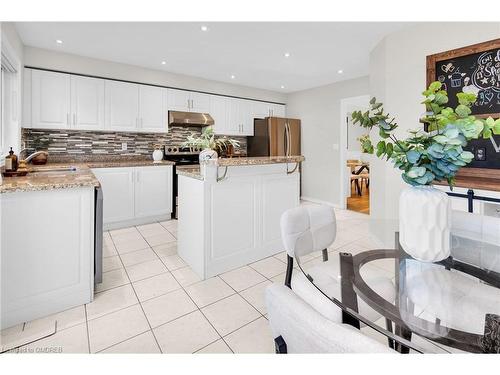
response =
{"points": [[252, 52]]}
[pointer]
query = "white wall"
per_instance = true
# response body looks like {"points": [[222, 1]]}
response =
{"points": [[319, 111], [41, 58], [398, 77]]}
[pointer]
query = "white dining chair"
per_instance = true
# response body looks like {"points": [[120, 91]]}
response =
{"points": [[299, 328], [312, 228]]}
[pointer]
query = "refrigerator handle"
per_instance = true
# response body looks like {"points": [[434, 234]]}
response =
{"points": [[289, 140]]}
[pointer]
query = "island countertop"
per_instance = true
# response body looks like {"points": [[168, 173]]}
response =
{"points": [[194, 171], [65, 175]]}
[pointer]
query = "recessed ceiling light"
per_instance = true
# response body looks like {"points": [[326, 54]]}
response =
{"points": [[287, 54], [340, 71], [233, 76], [59, 41], [163, 62], [282, 86], [204, 28]]}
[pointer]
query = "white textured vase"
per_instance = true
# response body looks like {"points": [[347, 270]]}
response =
{"points": [[157, 155], [207, 156], [425, 223]]}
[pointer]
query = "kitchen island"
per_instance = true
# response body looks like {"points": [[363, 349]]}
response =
{"points": [[229, 215]]}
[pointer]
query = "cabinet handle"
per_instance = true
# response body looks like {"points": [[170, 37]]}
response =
{"points": [[137, 174], [74, 119], [141, 122], [67, 119], [189, 104]]}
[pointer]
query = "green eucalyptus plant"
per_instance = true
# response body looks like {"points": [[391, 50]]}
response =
{"points": [[208, 139], [435, 154], [366, 144]]}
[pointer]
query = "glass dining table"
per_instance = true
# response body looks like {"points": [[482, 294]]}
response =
{"points": [[453, 304]]}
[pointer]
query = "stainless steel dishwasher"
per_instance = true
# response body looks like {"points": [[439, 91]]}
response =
{"points": [[98, 235]]}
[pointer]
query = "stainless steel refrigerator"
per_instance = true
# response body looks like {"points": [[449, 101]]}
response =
{"points": [[275, 136]]}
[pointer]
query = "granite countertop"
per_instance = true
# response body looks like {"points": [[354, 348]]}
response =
{"points": [[260, 160], [62, 178], [194, 171]]}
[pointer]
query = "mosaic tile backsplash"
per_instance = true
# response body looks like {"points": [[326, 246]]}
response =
{"points": [[80, 143]]}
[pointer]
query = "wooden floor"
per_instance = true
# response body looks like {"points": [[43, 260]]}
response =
{"points": [[359, 203]]}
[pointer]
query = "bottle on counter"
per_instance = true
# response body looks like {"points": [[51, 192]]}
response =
{"points": [[11, 162]]}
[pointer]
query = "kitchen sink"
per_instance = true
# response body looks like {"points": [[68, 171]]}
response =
{"points": [[52, 170]]}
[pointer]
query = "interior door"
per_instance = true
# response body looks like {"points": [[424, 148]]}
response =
{"points": [[277, 136], [87, 103], [51, 100], [294, 136]]}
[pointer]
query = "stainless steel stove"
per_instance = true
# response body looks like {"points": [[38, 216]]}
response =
{"points": [[180, 156]]}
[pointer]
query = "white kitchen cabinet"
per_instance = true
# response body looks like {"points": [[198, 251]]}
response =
{"points": [[135, 195], [179, 100], [122, 106], [118, 193], [239, 117], [152, 109], [218, 111], [50, 100], [264, 109], [87, 103], [188, 101], [200, 102], [47, 257], [153, 191]]}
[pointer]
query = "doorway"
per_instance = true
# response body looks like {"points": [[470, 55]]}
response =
{"points": [[354, 165]]}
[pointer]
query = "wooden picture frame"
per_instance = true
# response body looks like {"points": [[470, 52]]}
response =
{"points": [[459, 52], [473, 178]]}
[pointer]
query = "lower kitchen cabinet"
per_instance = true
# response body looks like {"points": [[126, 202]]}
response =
{"points": [[153, 191], [135, 195], [47, 257]]}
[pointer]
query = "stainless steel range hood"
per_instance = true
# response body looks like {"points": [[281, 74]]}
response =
{"points": [[189, 118]]}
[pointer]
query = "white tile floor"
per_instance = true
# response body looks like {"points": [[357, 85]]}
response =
{"points": [[150, 301]]}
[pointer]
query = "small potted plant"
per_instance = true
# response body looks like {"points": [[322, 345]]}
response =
{"points": [[424, 157], [366, 147], [210, 145]]}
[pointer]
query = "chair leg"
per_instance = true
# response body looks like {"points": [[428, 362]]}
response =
{"points": [[388, 325], [325, 255], [280, 345], [289, 269]]}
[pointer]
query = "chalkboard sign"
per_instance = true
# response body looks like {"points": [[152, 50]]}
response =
{"points": [[473, 69]]}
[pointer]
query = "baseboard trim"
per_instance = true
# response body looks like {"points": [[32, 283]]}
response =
{"points": [[319, 201]]}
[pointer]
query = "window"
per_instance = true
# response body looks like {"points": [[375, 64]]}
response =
{"points": [[10, 100]]}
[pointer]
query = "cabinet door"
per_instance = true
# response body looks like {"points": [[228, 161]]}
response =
{"points": [[278, 110], [178, 100], [233, 117], [153, 191], [50, 100], [118, 193], [246, 117], [152, 116], [200, 102], [87, 103], [235, 221], [261, 109], [218, 110], [122, 106]]}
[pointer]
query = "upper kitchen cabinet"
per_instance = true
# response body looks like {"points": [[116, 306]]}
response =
{"points": [[122, 106], [239, 117], [200, 102], [152, 109], [87, 103], [50, 100], [188, 101], [263, 110], [218, 111]]}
